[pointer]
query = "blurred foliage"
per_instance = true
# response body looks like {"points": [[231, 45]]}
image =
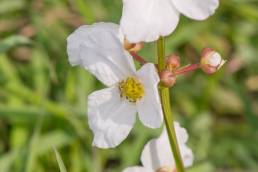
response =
{"points": [[43, 99]]}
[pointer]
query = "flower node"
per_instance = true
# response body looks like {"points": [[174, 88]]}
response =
{"points": [[167, 78], [165, 169], [133, 47], [131, 89], [172, 62]]}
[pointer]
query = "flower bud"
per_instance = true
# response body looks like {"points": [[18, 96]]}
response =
{"points": [[211, 61], [132, 47], [172, 62], [167, 78]]}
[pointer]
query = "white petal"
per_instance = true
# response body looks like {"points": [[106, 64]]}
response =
{"points": [[157, 152], [187, 155], [181, 133], [196, 9], [98, 48], [110, 118], [182, 137], [149, 107], [146, 20], [137, 169], [215, 60]]}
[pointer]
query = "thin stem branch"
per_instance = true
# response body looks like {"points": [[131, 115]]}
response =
{"points": [[138, 58], [187, 69], [167, 112]]}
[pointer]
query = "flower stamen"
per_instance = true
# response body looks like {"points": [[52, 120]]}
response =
{"points": [[131, 89]]}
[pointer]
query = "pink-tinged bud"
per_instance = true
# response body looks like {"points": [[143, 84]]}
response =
{"points": [[133, 47], [211, 61], [172, 62], [167, 78]]}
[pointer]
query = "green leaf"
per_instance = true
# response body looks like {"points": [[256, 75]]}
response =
{"points": [[7, 6], [7, 160], [13, 41], [60, 161], [31, 157], [55, 138]]}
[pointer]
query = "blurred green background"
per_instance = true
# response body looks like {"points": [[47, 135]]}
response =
{"points": [[43, 99]]}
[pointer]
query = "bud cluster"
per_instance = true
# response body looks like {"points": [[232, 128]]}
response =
{"points": [[210, 63], [167, 76]]}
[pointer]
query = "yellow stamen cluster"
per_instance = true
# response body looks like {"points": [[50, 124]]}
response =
{"points": [[131, 89]]}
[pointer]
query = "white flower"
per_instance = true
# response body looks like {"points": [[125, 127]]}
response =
{"points": [[146, 20], [157, 155], [112, 111]]}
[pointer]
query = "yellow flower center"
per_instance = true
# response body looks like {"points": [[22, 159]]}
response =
{"points": [[131, 89]]}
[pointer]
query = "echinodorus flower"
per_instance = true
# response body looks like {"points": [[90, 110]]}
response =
{"points": [[147, 20], [99, 48], [157, 156]]}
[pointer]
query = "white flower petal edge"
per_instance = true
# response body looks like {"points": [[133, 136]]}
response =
{"points": [[181, 133], [157, 152], [187, 155], [137, 169], [146, 20], [149, 108], [99, 49], [110, 118], [196, 9]]}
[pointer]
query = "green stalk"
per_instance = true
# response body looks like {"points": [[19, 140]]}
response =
{"points": [[165, 102]]}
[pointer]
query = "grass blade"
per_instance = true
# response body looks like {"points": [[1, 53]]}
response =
{"points": [[60, 161]]}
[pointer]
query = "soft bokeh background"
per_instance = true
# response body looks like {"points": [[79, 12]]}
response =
{"points": [[43, 99]]}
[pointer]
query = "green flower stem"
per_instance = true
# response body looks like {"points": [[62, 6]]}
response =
{"points": [[165, 102]]}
